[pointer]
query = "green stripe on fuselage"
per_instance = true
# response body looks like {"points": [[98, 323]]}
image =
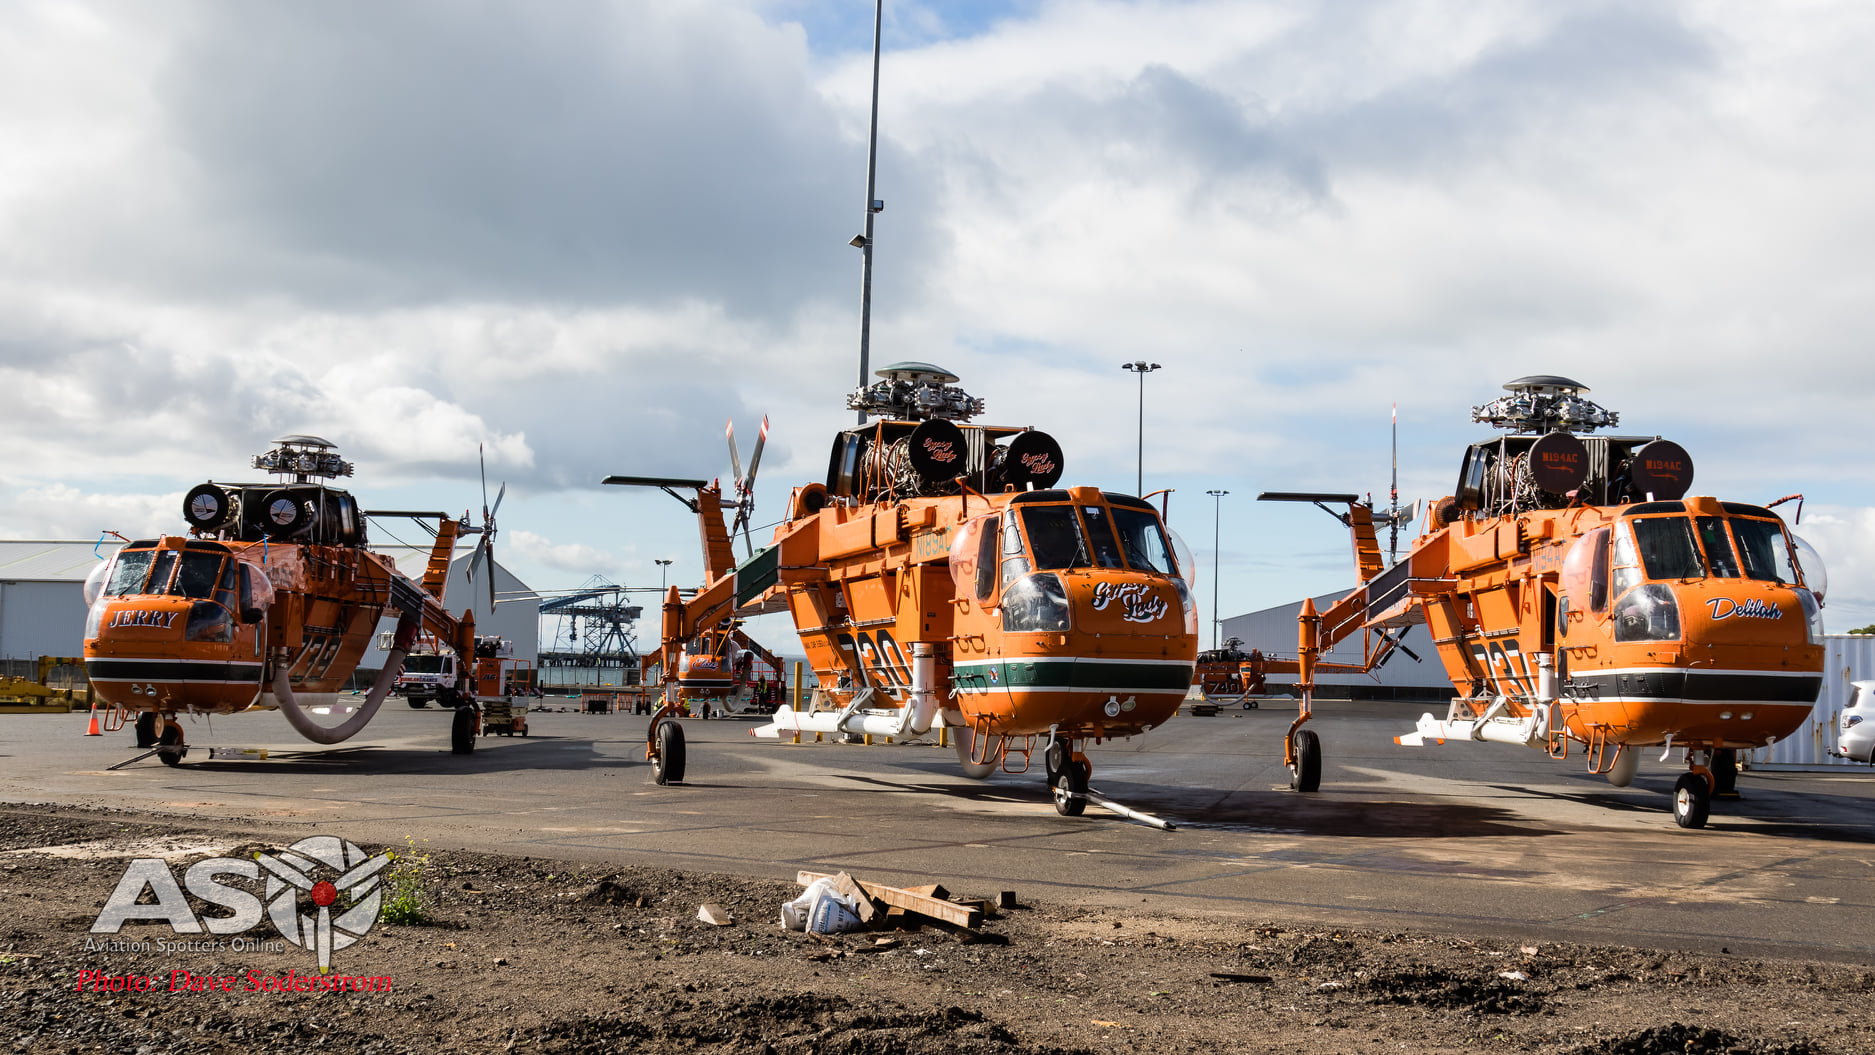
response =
{"points": [[1091, 674]]}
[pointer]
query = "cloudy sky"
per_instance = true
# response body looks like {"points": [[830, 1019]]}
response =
{"points": [[584, 234]]}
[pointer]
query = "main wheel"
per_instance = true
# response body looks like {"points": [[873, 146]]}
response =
{"points": [[1308, 772], [668, 766], [416, 701], [169, 747], [146, 730], [462, 731], [1725, 773], [1692, 802], [1070, 790]]}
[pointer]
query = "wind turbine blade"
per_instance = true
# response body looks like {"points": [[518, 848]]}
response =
{"points": [[735, 456]]}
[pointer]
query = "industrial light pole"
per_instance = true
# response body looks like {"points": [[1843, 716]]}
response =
{"points": [[1217, 520], [1142, 368], [664, 568]]}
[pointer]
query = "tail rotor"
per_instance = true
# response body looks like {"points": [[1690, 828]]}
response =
{"points": [[745, 485]]}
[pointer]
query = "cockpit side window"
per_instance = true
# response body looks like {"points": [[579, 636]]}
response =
{"points": [[1143, 541], [1718, 547], [1667, 548], [128, 573], [1626, 566], [1055, 537], [1100, 537], [1763, 551], [1015, 564], [986, 559]]}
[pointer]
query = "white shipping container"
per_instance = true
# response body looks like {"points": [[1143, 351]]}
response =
{"points": [[1849, 658]]}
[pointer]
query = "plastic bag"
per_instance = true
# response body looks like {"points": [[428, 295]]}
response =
{"points": [[821, 911]]}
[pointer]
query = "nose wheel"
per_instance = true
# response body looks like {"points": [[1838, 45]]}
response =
{"points": [[1068, 772], [1692, 799], [169, 745]]}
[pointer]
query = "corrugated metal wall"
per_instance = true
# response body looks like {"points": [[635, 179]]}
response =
{"points": [[1850, 658], [41, 619]]}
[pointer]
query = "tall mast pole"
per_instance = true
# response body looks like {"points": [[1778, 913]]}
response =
{"points": [[873, 205], [1393, 495]]}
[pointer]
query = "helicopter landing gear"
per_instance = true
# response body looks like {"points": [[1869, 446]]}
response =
{"points": [[667, 761], [1068, 772], [462, 730], [146, 730], [169, 745], [1725, 773], [1305, 774], [1692, 799]]}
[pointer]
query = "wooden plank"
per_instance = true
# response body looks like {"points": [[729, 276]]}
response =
{"points": [[936, 908], [845, 886]]}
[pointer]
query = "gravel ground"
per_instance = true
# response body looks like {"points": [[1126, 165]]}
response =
{"points": [[519, 954]]}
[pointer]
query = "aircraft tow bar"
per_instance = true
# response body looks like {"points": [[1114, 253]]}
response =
{"points": [[1129, 813]]}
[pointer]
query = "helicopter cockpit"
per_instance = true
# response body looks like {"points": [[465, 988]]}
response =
{"points": [[1013, 560], [224, 589], [1734, 559]]}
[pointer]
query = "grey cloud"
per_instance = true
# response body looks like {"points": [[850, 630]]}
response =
{"points": [[358, 155]]}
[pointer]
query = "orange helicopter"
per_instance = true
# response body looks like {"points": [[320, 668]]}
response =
{"points": [[939, 571], [269, 602], [1580, 599]]}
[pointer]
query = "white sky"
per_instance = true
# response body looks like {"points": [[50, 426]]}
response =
{"points": [[585, 234]]}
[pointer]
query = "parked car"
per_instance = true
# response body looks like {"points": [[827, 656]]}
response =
{"points": [[1856, 739]]}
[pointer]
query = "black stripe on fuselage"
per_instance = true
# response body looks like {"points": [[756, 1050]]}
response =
{"points": [[1694, 685], [171, 670]]}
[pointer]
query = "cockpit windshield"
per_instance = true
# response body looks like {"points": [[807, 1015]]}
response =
{"points": [[1763, 551], [1667, 548], [1055, 539], [1066, 536], [1677, 547], [129, 572], [199, 574], [1143, 541]]}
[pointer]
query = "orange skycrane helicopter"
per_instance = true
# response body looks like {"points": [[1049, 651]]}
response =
{"points": [[939, 570], [1580, 599], [270, 601]]}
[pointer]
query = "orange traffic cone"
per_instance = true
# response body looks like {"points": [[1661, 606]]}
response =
{"points": [[93, 731]]}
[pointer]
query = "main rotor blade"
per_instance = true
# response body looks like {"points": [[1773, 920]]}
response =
{"points": [[483, 461], [755, 460], [735, 457]]}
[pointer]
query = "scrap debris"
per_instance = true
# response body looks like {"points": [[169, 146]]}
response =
{"points": [[838, 902]]}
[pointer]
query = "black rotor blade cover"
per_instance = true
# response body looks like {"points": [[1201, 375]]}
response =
{"points": [[1032, 458], [1662, 468], [937, 450]]}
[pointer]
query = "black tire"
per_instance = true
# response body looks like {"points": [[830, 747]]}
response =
{"points": [[1308, 771], [462, 731], [169, 747], [1069, 788], [205, 507], [668, 766], [1052, 761], [1692, 801], [146, 730], [283, 514], [417, 701], [1725, 773]]}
